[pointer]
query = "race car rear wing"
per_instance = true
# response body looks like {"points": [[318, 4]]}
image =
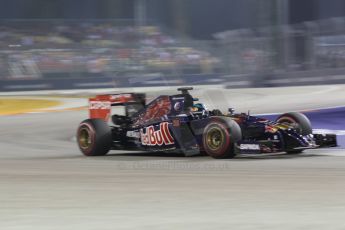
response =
{"points": [[100, 106]]}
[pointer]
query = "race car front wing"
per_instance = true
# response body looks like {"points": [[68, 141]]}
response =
{"points": [[269, 146]]}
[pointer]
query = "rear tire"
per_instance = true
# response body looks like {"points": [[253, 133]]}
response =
{"points": [[220, 136], [94, 137], [298, 121]]}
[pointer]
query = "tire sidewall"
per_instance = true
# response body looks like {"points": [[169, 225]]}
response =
{"points": [[227, 149], [92, 133], [226, 143], [100, 134]]}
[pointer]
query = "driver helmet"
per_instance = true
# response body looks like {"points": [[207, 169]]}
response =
{"points": [[198, 107]]}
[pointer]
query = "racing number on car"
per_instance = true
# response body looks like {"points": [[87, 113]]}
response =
{"points": [[152, 137]]}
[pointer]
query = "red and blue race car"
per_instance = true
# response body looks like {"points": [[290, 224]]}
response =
{"points": [[179, 123]]}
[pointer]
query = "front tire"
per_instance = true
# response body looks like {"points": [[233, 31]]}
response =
{"points": [[300, 122], [220, 136], [94, 137]]}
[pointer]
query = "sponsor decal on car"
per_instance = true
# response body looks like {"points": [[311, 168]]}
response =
{"points": [[134, 134], [100, 105], [152, 137], [250, 147]]}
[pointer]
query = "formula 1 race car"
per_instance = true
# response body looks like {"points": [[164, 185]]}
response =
{"points": [[179, 123]]}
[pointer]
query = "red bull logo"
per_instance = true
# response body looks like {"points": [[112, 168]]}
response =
{"points": [[152, 137]]}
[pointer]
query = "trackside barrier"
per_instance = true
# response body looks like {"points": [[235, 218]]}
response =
{"points": [[229, 81]]}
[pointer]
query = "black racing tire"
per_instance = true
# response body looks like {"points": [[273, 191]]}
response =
{"points": [[219, 137], [94, 137], [298, 120]]}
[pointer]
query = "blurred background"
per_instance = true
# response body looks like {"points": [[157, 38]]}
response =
{"points": [[79, 44]]}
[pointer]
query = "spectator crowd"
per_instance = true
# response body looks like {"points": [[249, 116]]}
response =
{"points": [[36, 49]]}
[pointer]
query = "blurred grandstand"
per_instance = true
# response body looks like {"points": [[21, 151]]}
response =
{"points": [[56, 49], [311, 45], [312, 52], [305, 53]]}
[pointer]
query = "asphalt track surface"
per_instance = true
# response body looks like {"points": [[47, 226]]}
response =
{"points": [[46, 184]]}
